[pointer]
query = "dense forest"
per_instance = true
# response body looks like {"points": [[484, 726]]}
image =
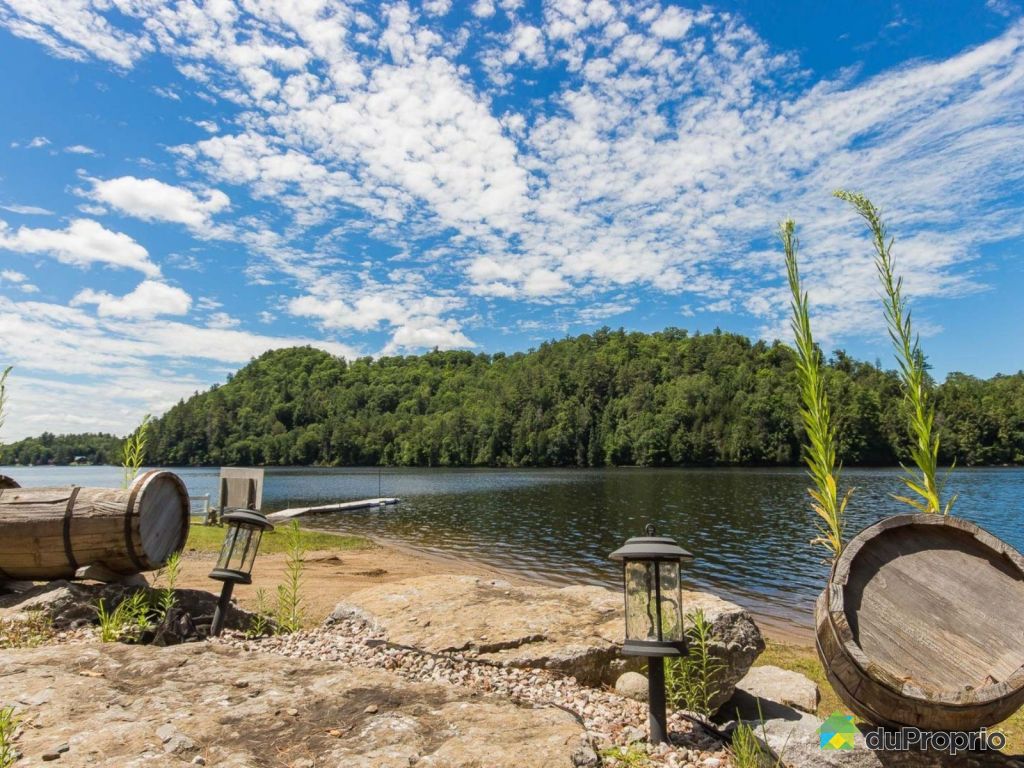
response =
{"points": [[608, 398], [63, 449]]}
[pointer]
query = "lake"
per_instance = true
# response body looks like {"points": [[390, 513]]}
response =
{"points": [[747, 528]]}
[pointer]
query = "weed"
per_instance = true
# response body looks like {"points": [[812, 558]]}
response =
{"points": [[820, 452], [8, 728], [289, 594], [924, 447], [167, 598], [128, 621], [260, 622], [690, 680], [133, 452], [35, 629], [633, 756]]}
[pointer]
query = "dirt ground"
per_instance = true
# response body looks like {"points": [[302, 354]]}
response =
{"points": [[330, 576]]}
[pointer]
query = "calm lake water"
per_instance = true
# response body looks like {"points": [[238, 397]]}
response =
{"points": [[748, 528]]}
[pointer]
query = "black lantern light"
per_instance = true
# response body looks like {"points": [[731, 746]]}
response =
{"points": [[654, 612], [237, 555]]}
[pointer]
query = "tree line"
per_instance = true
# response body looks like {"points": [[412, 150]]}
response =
{"points": [[609, 398]]}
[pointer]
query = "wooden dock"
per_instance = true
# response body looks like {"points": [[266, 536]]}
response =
{"points": [[344, 506]]}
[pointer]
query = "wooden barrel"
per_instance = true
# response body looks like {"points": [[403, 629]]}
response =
{"points": [[8, 482], [922, 624], [48, 533]]}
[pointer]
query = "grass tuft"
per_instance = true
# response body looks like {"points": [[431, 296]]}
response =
{"points": [[208, 538], [33, 630]]}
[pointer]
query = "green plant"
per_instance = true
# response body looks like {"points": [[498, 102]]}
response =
{"points": [[924, 447], [8, 728], [133, 453], [167, 598], [690, 680], [289, 594], [3, 394], [747, 751], [820, 451], [127, 621], [633, 756], [260, 623], [35, 629]]}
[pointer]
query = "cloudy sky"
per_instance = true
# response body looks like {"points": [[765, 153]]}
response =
{"points": [[186, 185]]}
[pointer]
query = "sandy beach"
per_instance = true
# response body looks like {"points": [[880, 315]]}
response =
{"points": [[330, 576]]}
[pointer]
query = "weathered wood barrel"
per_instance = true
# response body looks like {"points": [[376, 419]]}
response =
{"points": [[922, 624], [49, 533], [8, 482]]}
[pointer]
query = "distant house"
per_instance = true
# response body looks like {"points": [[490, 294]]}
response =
{"points": [[80, 460]]}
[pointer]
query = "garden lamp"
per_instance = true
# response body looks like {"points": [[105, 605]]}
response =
{"points": [[654, 613], [237, 555]]}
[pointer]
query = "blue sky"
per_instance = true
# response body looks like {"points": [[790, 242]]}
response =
{"points": [[184, 186]]}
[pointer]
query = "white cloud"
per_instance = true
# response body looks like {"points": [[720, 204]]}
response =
{"points": [[83, 243], [12, 276], [72, 29], [80, 149], [673, 23], [150, 299], [27, 210], [483, 8], [207, 125], [38, 142], [153, 200]]}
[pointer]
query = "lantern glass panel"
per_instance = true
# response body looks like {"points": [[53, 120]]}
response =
{"points": [[227, 547], [671, 602], [242, 540], [250, 555], [641, 600]]}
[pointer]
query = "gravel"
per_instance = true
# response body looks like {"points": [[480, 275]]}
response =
{"points": [[613, 723]]}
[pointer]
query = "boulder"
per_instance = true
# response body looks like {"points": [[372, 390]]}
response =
{"points": [[122, 706], [575, 630], [73, 604], [793, 736], [633, 685], [782, 686]]}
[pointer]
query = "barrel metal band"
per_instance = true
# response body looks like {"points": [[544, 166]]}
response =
{"points": [[129, 545], [68, 511]]}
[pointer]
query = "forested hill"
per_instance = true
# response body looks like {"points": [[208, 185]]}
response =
{"points": [[611, 398]]}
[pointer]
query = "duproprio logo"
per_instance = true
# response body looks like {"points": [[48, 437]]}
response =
{"points": [[837, 732]]}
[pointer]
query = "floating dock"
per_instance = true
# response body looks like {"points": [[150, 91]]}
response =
{"points": [[344, 506]]}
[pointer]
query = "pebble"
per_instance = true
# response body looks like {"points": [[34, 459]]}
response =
{"points": [[609, 719]]}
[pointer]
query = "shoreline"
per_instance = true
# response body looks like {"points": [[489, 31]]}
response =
{"points": [[330, 576]]}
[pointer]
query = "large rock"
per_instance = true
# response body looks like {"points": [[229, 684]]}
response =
{"points": [[793, 736], [120, 706], [72, 604], [781, 685], [574, 630]]}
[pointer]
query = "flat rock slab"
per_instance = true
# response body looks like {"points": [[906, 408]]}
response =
{"points": [[121, 706], [793, 735], [781, 685], [575, 630]]}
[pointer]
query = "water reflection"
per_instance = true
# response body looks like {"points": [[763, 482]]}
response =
{"points": [[747, 528]]}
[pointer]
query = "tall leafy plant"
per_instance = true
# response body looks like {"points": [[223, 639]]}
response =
{"points": [[3, 394], [925, 487], [133, 453], [820, 450]]}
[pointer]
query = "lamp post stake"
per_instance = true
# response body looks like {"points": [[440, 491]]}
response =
{"points": [[223, 604], [656, 700]]}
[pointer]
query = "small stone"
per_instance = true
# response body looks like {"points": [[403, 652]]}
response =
{"points": [[711, 762], [51, 755], [371, 710], [198, 760], [292, 711], [585, 757], [632, 685], [63, 748], [166, 732]]}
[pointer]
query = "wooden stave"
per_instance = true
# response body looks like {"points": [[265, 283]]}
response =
{"points": [[872, 693], [104, 527]]}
